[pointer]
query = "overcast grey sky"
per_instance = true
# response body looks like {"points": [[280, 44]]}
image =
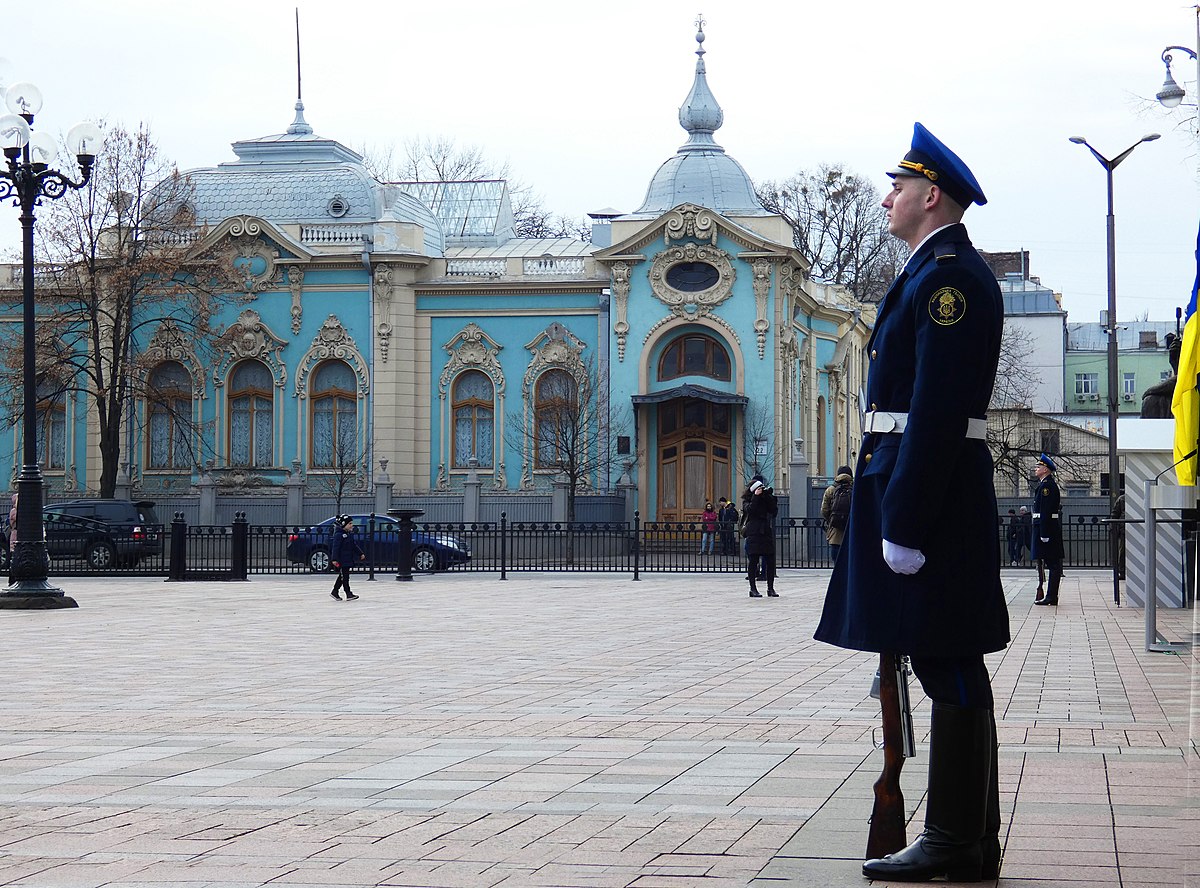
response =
{"points": [[581, 100]]}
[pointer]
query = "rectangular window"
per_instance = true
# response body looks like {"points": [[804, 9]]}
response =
{"points": [[1128, 384], [1087, 383]]}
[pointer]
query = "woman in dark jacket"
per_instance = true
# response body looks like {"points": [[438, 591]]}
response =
{"points": [[759, 523], [344, 552]]}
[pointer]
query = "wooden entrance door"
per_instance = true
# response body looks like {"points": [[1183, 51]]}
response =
{"points": [[694, 457]]}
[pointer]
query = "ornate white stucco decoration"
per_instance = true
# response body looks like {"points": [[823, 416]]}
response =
{"points": [[383, 298], [687, 304], [245, 262], [690, 221], [471, 349], [762, 289], [716, 320], [296, 285], [249, 337], [332, 342], [170, 343], [556, 347], [620, 288]]}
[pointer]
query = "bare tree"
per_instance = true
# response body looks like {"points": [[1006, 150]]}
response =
{"points": [[1009, 433], [839, 227], [758, 427], [113, 264], [570, 427], [344, 475]]}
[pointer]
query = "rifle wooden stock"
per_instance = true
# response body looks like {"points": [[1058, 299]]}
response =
{"points": [[887, 816]]}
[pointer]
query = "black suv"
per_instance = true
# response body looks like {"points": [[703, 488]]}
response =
{"points": [[105, 533]]}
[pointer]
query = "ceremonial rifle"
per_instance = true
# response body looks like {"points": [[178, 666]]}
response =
{"points": [[887, 835]]}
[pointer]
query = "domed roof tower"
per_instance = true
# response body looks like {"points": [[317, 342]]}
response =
{"points": [[700, 172]]}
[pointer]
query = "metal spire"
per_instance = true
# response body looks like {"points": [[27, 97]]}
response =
{"points": [[299, 126]]}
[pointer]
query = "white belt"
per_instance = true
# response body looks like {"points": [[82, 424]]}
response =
{"points": [[1039, 515], [882, 422]]}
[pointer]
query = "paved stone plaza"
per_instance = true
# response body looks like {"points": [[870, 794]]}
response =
{"points": [[550, 730]]}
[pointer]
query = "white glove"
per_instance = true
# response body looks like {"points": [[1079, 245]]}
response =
{"points": [[902, 560], [1045, 539]]}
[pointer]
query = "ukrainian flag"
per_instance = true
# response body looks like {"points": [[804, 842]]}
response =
{"points": [[1185, 404]]}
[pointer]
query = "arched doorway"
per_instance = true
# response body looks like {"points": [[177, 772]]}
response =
{"points": [[695, 456]]}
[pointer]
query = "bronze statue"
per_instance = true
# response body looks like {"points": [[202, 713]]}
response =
{"points": [[1156, 400]]}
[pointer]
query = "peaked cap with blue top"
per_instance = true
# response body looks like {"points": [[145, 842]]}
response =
{"points": [[928, 157]]}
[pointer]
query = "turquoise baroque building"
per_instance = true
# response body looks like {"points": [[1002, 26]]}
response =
{"points": [[404, 322]]}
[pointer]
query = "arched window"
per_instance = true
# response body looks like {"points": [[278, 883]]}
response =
{"points": [[51, 423], [557, 423], [694, 355], [251, 420], [473, 418], [169, 402], [334, 416]]}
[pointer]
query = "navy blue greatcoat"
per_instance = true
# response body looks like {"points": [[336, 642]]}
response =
{"points": [[933, 356], [1047, 522]]}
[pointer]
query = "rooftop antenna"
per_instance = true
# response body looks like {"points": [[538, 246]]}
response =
{"points": [[299, 126]]}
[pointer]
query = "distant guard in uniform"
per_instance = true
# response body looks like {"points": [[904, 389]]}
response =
{"points": [[919, 573], [1047, 528]]}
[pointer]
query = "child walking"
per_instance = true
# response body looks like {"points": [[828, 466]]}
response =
{"points": [[344, 552]]}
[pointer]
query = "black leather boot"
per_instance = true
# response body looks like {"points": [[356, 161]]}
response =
{"points": [[989, 845], [754, 593], [1052, 588], [960, 754]]}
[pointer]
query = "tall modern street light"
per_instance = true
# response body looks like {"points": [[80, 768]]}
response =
{"points": [[1114, 467], [27, 181]]}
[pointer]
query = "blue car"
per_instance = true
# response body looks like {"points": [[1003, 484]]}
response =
{"points": [[430, 551]]}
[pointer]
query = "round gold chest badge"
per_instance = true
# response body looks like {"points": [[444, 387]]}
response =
{"points": [[947, 306]]}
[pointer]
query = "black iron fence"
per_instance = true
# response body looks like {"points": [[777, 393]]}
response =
{"points": [[182, 551]]}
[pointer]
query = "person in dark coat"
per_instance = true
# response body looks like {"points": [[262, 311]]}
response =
{"points": [[760, 510], [727, 517], [1047, 528], [919, 572], [344, 551]]}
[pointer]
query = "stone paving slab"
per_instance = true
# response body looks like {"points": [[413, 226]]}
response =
{"points": [[552, 729]]}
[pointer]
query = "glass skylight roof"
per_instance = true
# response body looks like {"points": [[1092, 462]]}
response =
{"points": [[465, 209]]}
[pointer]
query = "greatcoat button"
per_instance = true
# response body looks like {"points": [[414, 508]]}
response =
{"points": [[873, 353], [867, 458]]}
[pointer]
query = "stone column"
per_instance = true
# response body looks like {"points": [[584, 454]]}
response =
{"points": [[123, 488], [208, 496], [383, 489], [294, 486], [471, 490], [629, 492], [798, 480], [558, 499]]}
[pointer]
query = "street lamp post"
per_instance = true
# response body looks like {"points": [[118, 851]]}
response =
{"points": [[1114, 473], [27, 181], [1172, 93]]}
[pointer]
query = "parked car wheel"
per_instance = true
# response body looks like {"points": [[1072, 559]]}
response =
{"points": [[319, 560], [101, 555], [424, 560]]}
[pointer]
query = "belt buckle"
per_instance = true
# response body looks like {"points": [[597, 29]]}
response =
{"points": [[883, 422]]}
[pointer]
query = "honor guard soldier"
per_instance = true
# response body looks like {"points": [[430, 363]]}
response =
{"points": [[1047, 528], [919, 573]]}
